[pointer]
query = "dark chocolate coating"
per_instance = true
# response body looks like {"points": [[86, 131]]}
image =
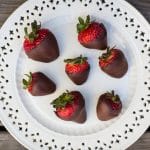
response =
{"points": [[42, 85], [118, 67], [99, 43], [79, 115], [104, 109], [79, 78], [46, 51]]}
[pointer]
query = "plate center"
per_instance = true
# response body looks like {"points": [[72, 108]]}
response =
{"points": [[64, 28]]}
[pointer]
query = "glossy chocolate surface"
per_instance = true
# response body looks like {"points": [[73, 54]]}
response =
{"points": [[46, 51], [42, 85], [118, 67], [79, 78], [104, 109], [99, 43], [79, 115]]}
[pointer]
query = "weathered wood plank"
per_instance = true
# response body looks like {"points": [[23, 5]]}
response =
{"points": [[143, 6], [7, 7], [7, 142], [142, 144]]}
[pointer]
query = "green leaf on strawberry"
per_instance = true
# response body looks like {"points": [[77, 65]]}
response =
{"points": [[107, 54], [81, 21], [83, 24], [63, 100], [34, 33], [27, 83], [77, 60]]}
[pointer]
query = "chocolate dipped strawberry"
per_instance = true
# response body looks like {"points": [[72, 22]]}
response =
{"points": [[92, 35], [70, 106], [77, 69], [114, 63], [40, 44], [109, 106], [38, 84]]}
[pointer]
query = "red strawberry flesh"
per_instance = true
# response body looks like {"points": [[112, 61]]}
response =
{"points": [[68, 111], [105, 62], [107, 108], [74, 110], [76, 68], [40, 44], [46, 51], [114, 63], [93, 32], [29, 45], [30, 86]]}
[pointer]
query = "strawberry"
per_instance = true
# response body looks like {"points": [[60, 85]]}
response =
{"points": [[70, 106], [109, 106], [38, 84], [77, 69], [114, 63], [92, 35], [40, 44]]}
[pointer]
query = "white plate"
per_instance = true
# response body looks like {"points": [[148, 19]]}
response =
{"points": [[31, 119]]}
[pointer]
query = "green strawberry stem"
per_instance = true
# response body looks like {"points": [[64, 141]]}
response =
{"points": [[27, 83], [83, 24], [34, 33], [77, 60], [63, 100], [107, 54], [115, 98]]}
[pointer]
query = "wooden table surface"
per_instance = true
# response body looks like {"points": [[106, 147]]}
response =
{"points": [[7, 142]]}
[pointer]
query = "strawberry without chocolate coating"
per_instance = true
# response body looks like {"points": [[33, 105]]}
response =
{"points": [[38, 84], [70, 106], [109, 106], [77, 69], [40, 44], [92, 35], [114, 63]]}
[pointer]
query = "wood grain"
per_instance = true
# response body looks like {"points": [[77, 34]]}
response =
{"points": [[142, 144], [7, 142], [143, 6], [7, 7]]}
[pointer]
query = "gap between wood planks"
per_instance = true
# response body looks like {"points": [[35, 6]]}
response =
{"points": [[7, 142]]}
